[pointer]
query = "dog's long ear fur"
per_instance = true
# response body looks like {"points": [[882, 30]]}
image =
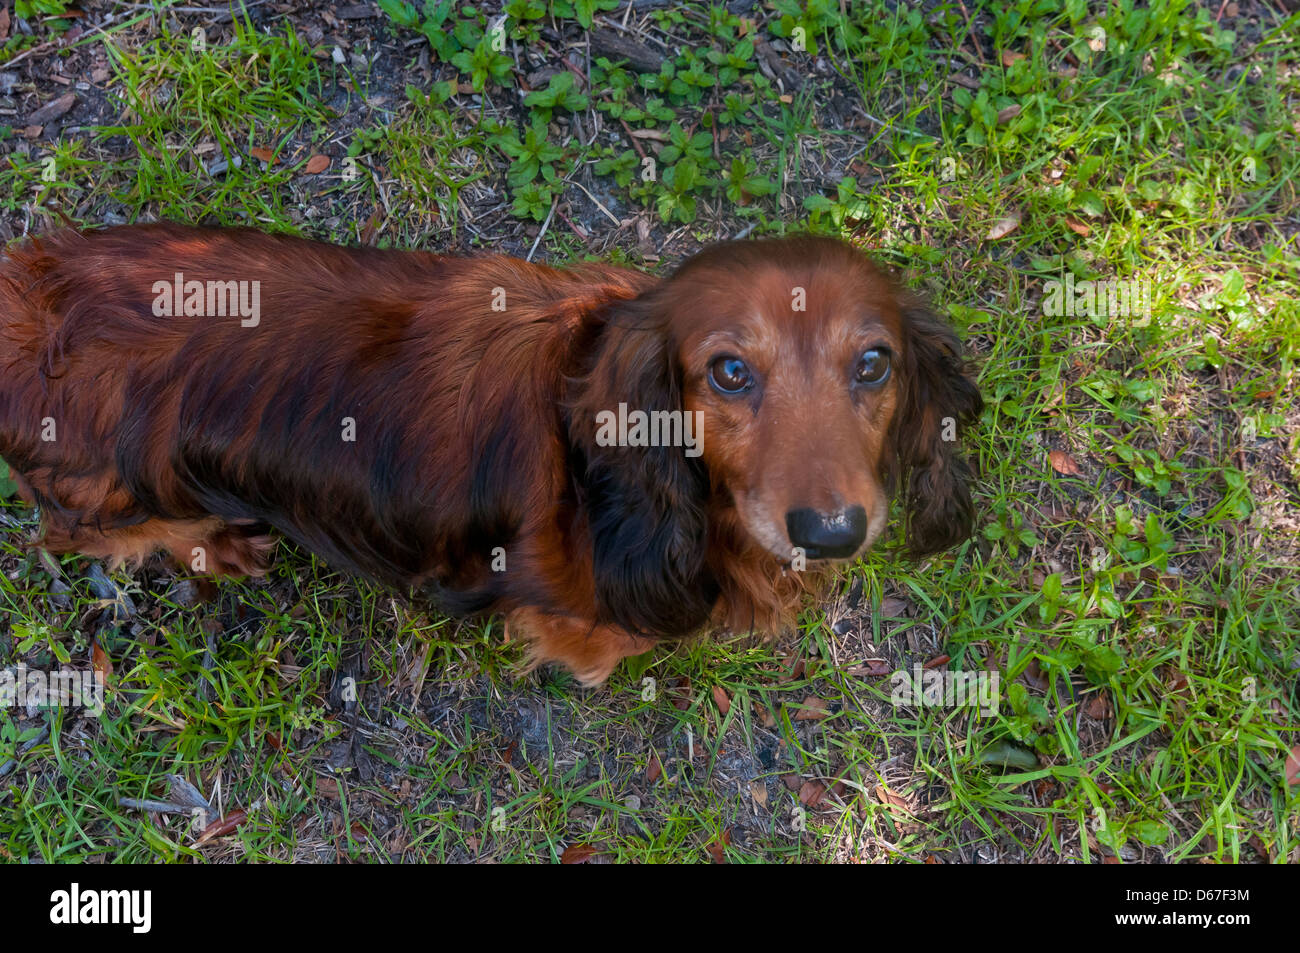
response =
{"points": [[645, 507], [939, 401]]}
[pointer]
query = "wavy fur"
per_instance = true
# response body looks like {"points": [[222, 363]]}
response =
{"points": [[415, 418]]}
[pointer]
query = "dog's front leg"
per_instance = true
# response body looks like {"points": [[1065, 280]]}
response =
{"points": [[586, 648]]}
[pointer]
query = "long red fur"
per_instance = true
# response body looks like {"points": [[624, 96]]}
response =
{"points": [[426, 421]]}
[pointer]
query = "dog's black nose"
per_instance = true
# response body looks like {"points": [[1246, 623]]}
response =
{"points": [[827, 535]]}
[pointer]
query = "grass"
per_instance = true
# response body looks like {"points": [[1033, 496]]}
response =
{"points": [[1134, 578]]}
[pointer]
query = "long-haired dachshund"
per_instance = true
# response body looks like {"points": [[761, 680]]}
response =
{"points": [[605, 457]]}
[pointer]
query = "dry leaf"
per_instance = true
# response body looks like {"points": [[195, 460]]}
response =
{"points": [[1076, 226], [1003, 227], [52, 110], [1099, 707], [812, 709], [721, 699], [1008, 114], [327, 787], [654, 769], [101, 662], [892, 607], [765, 717], [886, 796], [221, 827], [578, 854], [680, 693], [317, 164], [874, 668], [1293, 766], [718, 849], [811, 793], [1063, 463], [758, 791]]}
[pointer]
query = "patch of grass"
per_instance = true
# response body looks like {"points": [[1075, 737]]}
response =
{"points": [[1133, 583], [429, 159], [211, 126]]}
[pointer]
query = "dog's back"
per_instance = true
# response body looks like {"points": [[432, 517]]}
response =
{"points": [[186, 389]]}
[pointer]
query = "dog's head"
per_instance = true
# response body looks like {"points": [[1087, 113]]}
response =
{"points": [[804, 385]]}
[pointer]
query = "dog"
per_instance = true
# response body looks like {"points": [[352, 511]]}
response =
{"points": [[606, 458]]}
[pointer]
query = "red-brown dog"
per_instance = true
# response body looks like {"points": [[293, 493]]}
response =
{"points": [[606, 457]]}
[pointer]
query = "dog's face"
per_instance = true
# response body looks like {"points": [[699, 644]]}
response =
{"points": [[817, 386], [791, 361]]}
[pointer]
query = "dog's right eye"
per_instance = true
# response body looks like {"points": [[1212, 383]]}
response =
{"points": [[873, 367], [730, 375]]}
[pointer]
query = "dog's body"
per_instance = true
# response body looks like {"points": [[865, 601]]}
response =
{"points": [[434, 422]]}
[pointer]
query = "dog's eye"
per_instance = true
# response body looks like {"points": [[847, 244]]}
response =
{"points": [[873, 367], [730, 375]]}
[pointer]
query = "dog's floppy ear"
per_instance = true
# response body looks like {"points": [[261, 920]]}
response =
{"points": [[645, 507], [939, 400]]}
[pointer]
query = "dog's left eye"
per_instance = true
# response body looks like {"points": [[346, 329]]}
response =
{"points": [[730, 375], [873, 367]]}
